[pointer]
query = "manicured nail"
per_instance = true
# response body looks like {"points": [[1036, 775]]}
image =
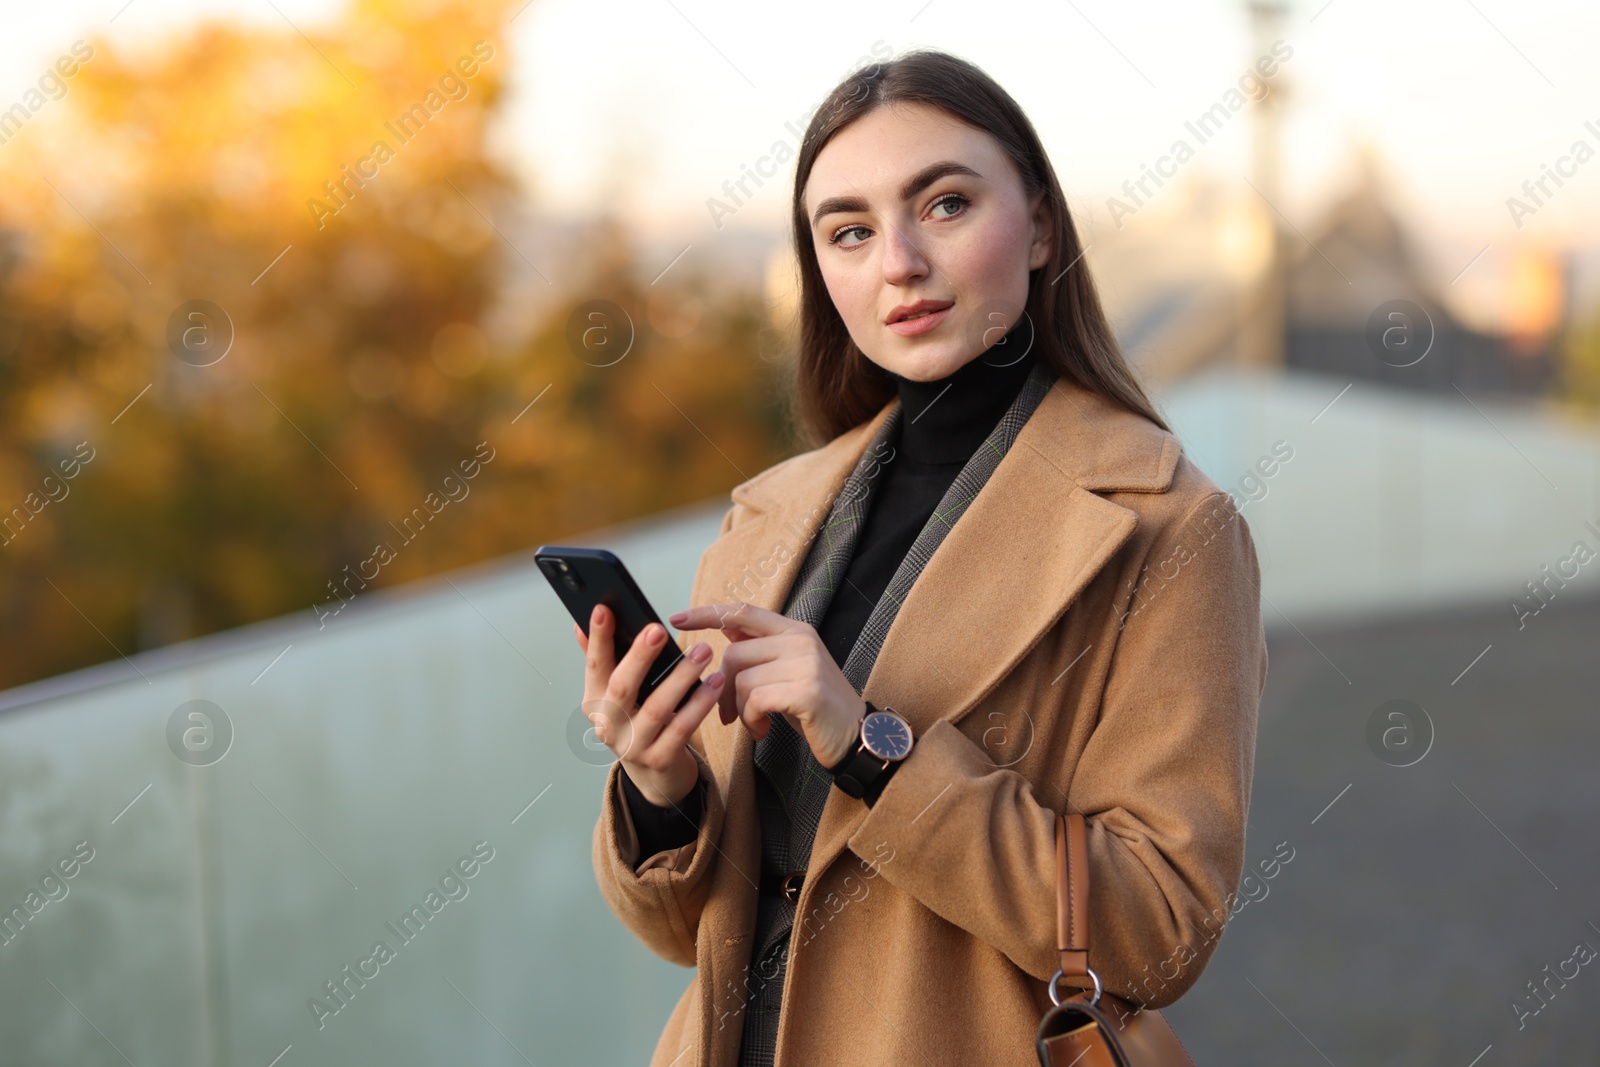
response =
{"points": [[677, 618], [714, 681], [658, 634], [700, 653]]}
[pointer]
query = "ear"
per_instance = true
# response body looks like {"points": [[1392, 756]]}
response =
{"points": [[1043, 232]]}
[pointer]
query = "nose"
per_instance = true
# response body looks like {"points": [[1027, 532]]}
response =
{"points": [[903, 261]]}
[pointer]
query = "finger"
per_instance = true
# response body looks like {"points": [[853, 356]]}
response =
{"points": [[583, 641], [736, 658], [734, 617], [598, 651], [758, 719], [636, 665], [682, 725], [758, 723], [739, 657], [658, 709], [759, 727], [763, 690]]}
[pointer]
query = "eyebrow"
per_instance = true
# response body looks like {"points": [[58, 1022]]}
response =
{"points": [[918, 182]]}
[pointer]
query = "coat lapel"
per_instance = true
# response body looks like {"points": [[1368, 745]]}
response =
{"points": [[1022, 552], [758, 560], [1013, 563]]}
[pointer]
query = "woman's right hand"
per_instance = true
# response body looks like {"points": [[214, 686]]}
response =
{"points": [[651, 740]]}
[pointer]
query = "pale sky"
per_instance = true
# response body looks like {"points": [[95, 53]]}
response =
{"points": [[1465, 99]]}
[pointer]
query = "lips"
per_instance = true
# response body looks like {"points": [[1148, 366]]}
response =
{"points": [[917, 310], [920, 324]]}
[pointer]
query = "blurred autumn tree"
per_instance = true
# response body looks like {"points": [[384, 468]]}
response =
{"points": [[364, 367]]}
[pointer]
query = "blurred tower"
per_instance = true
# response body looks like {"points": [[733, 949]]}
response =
{"points": [[1264, 327]]}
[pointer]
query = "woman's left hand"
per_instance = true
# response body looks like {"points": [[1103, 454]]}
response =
{"points": [[776, 664]]}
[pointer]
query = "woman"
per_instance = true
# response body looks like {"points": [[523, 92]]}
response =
{"points": [[997, 591]]}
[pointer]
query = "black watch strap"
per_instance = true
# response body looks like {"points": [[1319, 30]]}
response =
{"points": [[875, 790], [861, 774]]}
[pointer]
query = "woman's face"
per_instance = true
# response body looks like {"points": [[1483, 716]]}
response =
{"points": [[909, 205]]}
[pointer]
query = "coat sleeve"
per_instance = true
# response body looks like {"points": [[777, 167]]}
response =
{"points": [[1163, 783], [660, 902], [659, 830]]}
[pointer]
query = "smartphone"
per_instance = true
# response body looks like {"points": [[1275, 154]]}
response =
{"points": [[584, 577]]}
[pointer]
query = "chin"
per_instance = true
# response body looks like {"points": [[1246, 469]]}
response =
{"points": [[936, 361]]}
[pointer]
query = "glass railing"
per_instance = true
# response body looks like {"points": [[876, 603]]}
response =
{"points": [[367, 843]]}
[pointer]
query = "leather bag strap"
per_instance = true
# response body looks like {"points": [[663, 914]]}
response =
{"points": [[1101, 1030], [1072, 897]]}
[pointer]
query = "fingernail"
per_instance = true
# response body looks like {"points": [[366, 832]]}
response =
{"points": [[658, 634], [700, 653], [714, 681], [677, 618]]}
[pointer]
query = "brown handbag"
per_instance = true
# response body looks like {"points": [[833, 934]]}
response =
{"points": [[1094, 1029]]}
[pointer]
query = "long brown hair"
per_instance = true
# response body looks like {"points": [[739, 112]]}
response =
{"points": [[836, 386]]}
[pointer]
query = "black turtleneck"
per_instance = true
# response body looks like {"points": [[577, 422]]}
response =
{"points": [[942, 423]]}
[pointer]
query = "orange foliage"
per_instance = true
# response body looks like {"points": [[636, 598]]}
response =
{"points": [[243, 168]]}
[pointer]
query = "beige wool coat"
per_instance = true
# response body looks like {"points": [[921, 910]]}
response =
{"points": [[1087, 637]]}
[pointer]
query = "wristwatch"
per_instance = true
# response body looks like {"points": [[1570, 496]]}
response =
{"points": [[885, 739]]}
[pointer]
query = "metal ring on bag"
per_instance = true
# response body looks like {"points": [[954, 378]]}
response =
{"points": [[1055, 998]]}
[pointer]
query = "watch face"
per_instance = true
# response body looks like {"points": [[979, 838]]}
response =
{"points": [[886, 735]]}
